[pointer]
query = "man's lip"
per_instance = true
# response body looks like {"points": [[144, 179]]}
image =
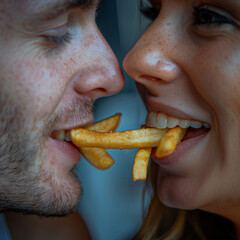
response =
{"points": [[154, 106], [68, 127], [68, 150]]}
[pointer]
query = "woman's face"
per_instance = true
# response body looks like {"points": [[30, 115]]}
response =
{"points": [[187, 66]]}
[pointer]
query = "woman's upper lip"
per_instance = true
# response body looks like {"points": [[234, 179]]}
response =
{"points": [[169, 110]]}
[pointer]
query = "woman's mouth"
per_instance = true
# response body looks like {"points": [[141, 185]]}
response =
{"points": [[195, 129], [162, 121], [194, 132]]}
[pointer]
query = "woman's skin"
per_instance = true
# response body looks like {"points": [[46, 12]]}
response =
{"points": [[187, 66]]}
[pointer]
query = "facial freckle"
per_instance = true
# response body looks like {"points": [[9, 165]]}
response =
{"points": [[52, 163], [34, 128], [4, 13], [72, 60]]}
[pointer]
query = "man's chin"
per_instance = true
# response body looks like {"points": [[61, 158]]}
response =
{"points": [[43, 190], [61, 192], [53, 198]]}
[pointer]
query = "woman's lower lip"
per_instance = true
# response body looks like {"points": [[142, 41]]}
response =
{"points": [[69, 152], [179, 152]]}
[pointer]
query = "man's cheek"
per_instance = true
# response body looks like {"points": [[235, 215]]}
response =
{"points": [[37, 87]]}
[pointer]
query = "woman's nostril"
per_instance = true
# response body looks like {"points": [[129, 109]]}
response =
{"points": [[152, 79]]}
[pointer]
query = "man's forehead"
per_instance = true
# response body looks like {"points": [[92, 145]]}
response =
{"points": [[65, 3], [43, 9], [60, 4], [39, 5]]}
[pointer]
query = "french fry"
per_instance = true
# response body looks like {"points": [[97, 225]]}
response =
{"points": [[141, 138], [106, 125], [94, 138], [169, 142], [141, 163], [167, 145], [98, 157]]}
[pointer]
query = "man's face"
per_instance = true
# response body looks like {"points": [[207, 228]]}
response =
{"points": [[54, 63]]}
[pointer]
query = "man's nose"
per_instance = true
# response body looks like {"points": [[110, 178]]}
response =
{"points": [[101, 74], [151, 59]]}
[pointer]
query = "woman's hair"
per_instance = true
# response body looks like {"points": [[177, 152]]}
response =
{"points": [[166, 223]]}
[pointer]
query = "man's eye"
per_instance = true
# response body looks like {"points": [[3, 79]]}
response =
{"points": [[59, 40], [150, 12], [205, 16]]}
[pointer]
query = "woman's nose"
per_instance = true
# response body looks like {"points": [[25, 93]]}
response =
{"points": [[151, 59]]}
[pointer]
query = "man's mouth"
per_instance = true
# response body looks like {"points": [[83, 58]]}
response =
{"points": [[62, 135], [62, 148], [163, 121]]}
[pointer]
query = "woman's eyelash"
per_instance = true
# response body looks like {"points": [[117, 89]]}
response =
{"points": [[206, 16], [66, 38], [149, 12]]}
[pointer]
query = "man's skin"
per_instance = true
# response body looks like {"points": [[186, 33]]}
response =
{"points": [[32, 227], [54, 64]]}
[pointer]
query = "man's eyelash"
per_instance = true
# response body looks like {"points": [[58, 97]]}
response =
{"points": [[66, 38]]}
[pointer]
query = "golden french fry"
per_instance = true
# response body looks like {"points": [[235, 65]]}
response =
{"points": [[141, 163], [94, 138], [141, 138], [98, 157], [106, 125], [169, 142]]}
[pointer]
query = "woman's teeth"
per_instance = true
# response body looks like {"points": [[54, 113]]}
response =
{"points": [[160, 120]]}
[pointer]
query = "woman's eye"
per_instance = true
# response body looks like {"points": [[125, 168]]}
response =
{"points": [[205, 16], [59, 40], [150, 12]]}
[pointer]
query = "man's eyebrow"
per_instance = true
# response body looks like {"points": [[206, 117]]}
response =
{"points": [[83, 3], [60, 7]]}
